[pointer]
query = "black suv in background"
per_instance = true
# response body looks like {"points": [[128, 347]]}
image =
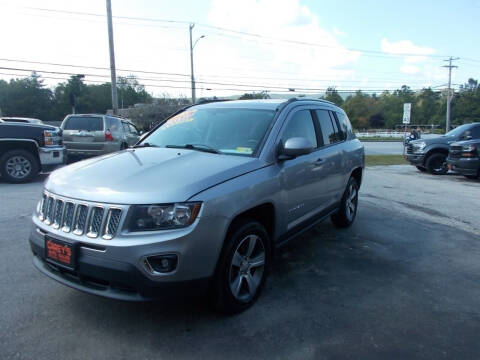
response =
{"points": [[464, 158], [26, 149], [431, 154]]}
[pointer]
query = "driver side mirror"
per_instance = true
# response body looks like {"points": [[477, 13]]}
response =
{"points": [[294, 147]]}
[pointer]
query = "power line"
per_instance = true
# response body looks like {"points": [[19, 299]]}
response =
{"points": [[312, 79], [244, 33], [239, 87]]}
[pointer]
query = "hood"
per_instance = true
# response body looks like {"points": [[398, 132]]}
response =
{"points": [[147, 175], [466, 142], [435, 140]]}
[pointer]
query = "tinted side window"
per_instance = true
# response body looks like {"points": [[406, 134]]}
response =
{"points": [[325, 122], [338, 133], [300, 125], [113, 124], [474, 132], [341, 133], [345, 125], [133, 129]]}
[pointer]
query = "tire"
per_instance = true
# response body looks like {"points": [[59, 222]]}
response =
{"points": [[18, 166], [241, 268], [348, 207], [473, 177], [421, 168], [436, 164]]}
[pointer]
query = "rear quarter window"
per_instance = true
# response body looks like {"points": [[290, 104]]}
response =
{"points": [[345, 125], [91, 123]]}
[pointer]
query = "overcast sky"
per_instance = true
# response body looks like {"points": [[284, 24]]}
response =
{"points": [[349, 44]]}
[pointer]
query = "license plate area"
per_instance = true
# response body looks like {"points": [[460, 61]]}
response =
{"points": [[60, 252]]}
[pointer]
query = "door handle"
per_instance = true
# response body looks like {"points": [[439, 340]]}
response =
{"points": [[318, 162]]}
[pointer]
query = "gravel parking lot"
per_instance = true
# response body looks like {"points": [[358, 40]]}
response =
{"points": [[401, 283]]}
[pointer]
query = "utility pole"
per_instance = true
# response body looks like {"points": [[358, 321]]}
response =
{"points": [[190, 27], [113, 74], [192, 46], [449, 91]]}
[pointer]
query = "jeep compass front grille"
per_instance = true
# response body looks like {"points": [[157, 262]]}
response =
{"points": [[80, 218]]}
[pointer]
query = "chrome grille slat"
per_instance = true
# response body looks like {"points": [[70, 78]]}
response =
{"points": [[68, 217], [57, 220], [112, 223], [43, 208], [50, 209], [95, 221], [81, 218]]}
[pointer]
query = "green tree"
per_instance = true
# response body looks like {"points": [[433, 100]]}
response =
{"points": [[254, 95], [27, 97], [466, 103], [332, 95]]}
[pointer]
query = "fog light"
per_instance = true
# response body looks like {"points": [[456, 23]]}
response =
{"points": [[161, 264]]}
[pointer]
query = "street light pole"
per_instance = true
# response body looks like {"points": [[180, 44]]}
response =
{"points": [[191, 64], [192, 46], [113, 74]]}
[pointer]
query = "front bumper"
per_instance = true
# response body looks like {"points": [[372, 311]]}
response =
{"points": [[464, 166], [116, 269], [415, 159], [52, 156]]}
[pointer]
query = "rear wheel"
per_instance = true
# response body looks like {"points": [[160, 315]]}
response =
{"points": [[421, 168], [242, 267], [436, 164], [472, 176], [348, 207], [18, 166]]}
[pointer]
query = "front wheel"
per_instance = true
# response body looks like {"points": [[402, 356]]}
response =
{"points": [[242, 267], [421, 168], [18, 166], [436, 164], [348, 207]]}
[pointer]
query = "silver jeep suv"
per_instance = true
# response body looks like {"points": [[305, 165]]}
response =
{"points": [[201, 203], [93, 134]]}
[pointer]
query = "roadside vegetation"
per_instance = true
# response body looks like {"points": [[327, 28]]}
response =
{"points": [[376, 160], [30, 97]]}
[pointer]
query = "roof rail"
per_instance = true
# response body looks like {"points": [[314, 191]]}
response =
{"points": [[207, 101], [293, 99]]}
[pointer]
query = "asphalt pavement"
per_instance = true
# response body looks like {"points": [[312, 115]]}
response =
{"points": [[401, 283]]}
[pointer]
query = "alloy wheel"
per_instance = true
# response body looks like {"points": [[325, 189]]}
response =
{"points": [[18, 167], [351, 202], [247, 267]]}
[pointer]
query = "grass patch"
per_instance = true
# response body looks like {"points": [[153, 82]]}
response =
{"points": [[375, 160], [380, 138]]}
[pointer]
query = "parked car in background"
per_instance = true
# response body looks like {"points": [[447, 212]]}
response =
{"points": [[201, 203], [91, 134], [26, 149], [431, 154], [464, 158], [22, 120]]}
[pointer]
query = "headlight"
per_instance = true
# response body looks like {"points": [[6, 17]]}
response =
{"points": [[163, 216], [420, 146], [468, 148]]}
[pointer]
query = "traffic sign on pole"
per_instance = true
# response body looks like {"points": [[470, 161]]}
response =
{"points": [[407, 107]]}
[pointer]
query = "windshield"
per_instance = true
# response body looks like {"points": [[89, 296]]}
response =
{"points": [[458, 130], [230, 131]]}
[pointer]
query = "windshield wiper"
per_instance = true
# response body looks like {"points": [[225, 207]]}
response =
{"points": [[145, 145], [199, 147]]}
